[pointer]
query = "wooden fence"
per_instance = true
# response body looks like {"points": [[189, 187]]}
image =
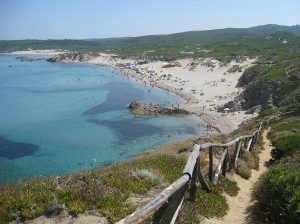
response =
{"points": [[164, 208]]}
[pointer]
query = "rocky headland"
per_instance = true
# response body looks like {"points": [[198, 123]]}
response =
{"points": [[71, 57]]}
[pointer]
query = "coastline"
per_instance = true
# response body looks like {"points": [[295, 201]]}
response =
{"points": [[203, 84]]}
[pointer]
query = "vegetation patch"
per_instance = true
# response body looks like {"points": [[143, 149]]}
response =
{"points": [[278, 196], [243, 169], [251, 159], [286, 146], [277, 193], [105, 190], [208, 205]]}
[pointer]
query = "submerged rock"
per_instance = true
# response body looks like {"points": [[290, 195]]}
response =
{"points": [[140, 109]]}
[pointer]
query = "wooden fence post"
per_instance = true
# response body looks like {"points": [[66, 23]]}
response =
{"points": [[211, 163], [166, 213], [195, 181], [201, 178], [238, 146], [252, 143], [226, 162], [222, 160], [249, 144], [245, 142]]}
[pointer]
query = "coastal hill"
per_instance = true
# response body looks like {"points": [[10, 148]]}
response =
{"points": [[251, 41], [273, 81], [269, 84]]}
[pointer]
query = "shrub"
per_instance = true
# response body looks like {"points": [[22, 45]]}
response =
{"points": [[251, 159], [242, 169], [278, 196], [144, 174], [285, 146]]}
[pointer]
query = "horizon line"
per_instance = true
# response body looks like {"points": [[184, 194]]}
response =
{"points": [[161, 34]]}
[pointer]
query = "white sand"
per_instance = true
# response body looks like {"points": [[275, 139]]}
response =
{"points": [[39, 52], [203, 87]]}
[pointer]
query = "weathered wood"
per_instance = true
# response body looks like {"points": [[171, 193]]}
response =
{"points": [[146, 211], [252, 143], [176, 213], [226, 162], [181, 184], [201, 178], [237, 152], [249, 144], [245, 142], [219, 145], [220, 165], [256, 136], [168, 212], [208, 144], [211, 164], [191, 162], [195, 181]]}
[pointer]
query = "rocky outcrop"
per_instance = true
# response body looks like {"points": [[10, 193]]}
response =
{"points": [[255, 109], [70, 57], [140, 109], [250, 74], [266, 94], [263, 91]]}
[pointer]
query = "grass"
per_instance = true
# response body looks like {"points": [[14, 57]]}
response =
{"points": [[209, 205], [278, 196], [243, 169], [108, 191], [251, 159], [285, 146], [105, 190], [285, 136], [277, 193]]}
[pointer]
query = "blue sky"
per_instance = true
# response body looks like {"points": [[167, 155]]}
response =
{"points": [[78, 19]]}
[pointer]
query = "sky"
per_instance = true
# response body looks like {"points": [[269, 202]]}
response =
{"points": [[81, 19]]}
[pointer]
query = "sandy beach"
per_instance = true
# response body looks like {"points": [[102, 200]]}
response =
{"points": [[49, 53], [204, 84]]}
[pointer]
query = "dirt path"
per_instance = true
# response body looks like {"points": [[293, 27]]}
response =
{"points": [[238, 205]]}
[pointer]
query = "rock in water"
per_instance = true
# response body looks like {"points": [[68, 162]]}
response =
{"points": [[140, 109]]}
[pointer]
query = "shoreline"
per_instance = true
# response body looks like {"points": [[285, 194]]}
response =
{"points": [[205, 108], [199, 105]]}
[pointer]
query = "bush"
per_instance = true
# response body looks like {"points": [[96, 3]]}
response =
{"points": [[285, 146], [242, 169], [251, 159], [278, 196], [144, 174]]}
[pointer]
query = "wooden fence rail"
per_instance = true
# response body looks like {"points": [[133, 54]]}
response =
{"points": [[164, 208]]}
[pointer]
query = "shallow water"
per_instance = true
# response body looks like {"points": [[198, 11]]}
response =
{"points": [[62, 118]]}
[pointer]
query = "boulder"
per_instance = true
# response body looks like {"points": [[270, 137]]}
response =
{"points": [[255, 109]]}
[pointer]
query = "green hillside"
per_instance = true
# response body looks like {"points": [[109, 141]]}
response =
{"points": [[229, 42]]}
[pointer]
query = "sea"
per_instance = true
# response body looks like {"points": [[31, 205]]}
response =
{"points": [[61, 118]]}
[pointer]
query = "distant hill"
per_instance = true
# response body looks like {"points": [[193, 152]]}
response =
{"points": [[228, 42]]}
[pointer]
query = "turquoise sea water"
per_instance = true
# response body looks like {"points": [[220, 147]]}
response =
{"points": [[62, 118]]}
